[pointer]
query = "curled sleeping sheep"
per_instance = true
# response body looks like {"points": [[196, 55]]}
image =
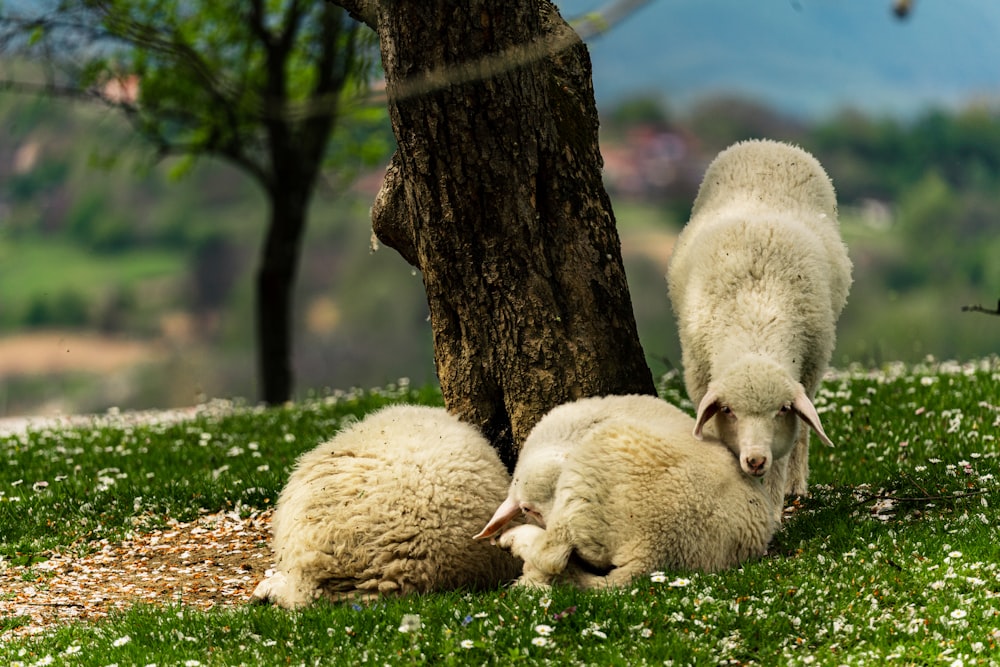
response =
{"points": [[545, 451], [757, 279], [388, 506], [636, 493]]}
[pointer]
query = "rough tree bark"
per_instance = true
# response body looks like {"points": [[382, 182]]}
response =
{"points": [[495, 195]]}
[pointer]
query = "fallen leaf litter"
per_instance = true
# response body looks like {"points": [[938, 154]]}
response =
{"points": [[215, 560]]}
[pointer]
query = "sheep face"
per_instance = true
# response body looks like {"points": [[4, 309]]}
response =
{"points": [[757, 407]]}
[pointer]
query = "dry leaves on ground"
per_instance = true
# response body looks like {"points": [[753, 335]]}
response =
{"points": [[214, 560]]}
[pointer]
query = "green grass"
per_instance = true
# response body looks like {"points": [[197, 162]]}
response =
{"points": [[27, 271], [632, 216], [893, 559]]}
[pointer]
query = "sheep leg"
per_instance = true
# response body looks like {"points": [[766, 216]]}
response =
{"points": [[269, 590], [286, 589], [796, 483], [619, 576], [776, 482], [543, 551], [521, 541], [532, 577]]}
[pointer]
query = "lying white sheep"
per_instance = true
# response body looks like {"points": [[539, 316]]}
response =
{"points": [[758, 278], [636, 493], [546, 449], [388, 506]]}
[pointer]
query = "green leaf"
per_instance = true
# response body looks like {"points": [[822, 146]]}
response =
{"points": [[182, 167]]}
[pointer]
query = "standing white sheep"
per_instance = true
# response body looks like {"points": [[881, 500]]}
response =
{"points": [[636, 493], [758, 278], [388, 506]]}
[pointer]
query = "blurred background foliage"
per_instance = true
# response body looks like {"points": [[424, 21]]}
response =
{"points": [[102, 251]]}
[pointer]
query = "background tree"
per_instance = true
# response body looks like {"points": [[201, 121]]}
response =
{"points": [[495, 194], [259, 84]]}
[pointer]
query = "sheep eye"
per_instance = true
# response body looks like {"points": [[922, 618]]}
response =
{"points": [[785, 409], [726, 410]]}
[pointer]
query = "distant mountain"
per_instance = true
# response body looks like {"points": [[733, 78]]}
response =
{"points": [[805, 57]]}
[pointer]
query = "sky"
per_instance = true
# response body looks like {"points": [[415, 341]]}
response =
{"points": [[806, 57]]}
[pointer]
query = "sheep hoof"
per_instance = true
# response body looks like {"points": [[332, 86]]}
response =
{"points": [[533, 578], [268, 590], [531, 583], [797, 491]]}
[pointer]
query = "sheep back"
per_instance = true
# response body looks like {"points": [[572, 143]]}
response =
{"points": [[388, 506], [760, 266]]}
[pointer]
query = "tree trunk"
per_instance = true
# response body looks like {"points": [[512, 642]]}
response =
{"points": [[295, 154], [495, 195], [276, 276]]}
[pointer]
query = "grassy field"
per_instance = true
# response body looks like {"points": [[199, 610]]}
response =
{"points": [[26, 273], [893, 559]]}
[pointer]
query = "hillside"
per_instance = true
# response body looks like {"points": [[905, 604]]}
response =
{"points": [[95, 240]]}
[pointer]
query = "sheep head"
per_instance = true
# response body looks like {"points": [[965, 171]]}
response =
{"points": [[757, 407], [532, 488]]}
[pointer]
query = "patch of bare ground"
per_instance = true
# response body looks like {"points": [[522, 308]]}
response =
{"points": [[48, 352], [216, 560]]}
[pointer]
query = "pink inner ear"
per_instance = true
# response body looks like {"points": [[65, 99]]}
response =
{"points": [[507, 511], [807, 412]]}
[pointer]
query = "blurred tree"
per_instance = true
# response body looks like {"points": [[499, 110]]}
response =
{"points": [[116, 309], [216, 265], [722, 120], [864, 156], [68, 308], [262, 85], [640, 110], [495, 194]]}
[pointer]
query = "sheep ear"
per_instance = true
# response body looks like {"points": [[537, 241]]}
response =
{"points": [[706, 410], [807, 412], [507, 511]]}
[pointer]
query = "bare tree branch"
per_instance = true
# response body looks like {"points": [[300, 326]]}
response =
{"points": [[980, 309], [593, 24], [51, 88], [153, 39], [291, 23], [257, 21]]}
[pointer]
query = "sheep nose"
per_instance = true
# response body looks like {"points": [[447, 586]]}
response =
{"points": [[756, 465]]}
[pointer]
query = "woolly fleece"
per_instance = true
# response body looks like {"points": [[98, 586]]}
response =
{"points": [[758, 279], [546, 449], [389, 506], [638, 494]]}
